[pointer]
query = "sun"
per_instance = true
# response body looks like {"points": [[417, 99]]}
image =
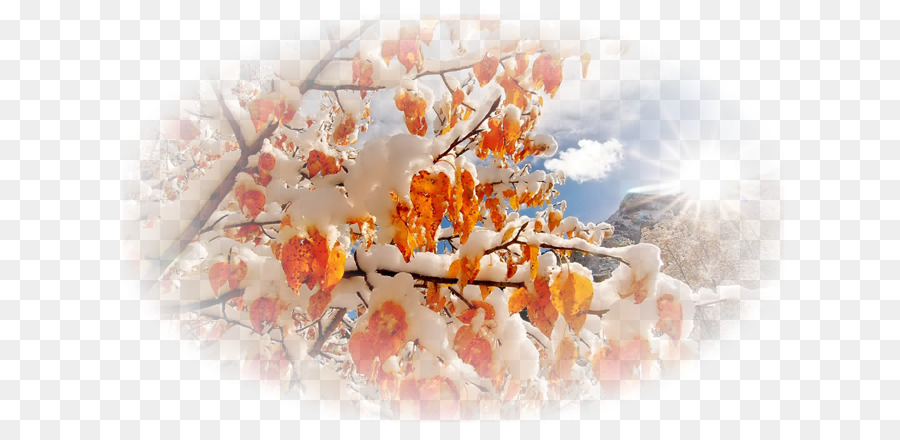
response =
{"points": [[692, 182]]}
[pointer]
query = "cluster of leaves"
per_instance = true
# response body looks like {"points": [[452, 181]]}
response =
{"points": [[402, 264]]}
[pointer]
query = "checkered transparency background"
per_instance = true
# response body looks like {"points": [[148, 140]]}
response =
{"points": [[807, 94]]}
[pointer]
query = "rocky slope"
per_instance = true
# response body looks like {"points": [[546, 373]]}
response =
{"points": [[637, 211]]}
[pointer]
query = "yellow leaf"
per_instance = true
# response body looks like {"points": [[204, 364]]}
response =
{"points": [[573, 299]]}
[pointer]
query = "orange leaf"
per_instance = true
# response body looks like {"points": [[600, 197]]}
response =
{"points": [[515, 94], [220, 273], [343, 132], [409, 53], [521, 64], [453, 271], [468, 269], [541, 312], [466, 317], [304, 260], [388, 50], [518, 300], [251, 201], [548, 72], [413, 107], [434, 300], [474, 350], [614, 363], [266, 161], [554, 217], [382, 337], [405, 239], [566, 355], [334, 272], [320, 162], [260, 110], [638, 288], [471, 209], [670, 316], [264, 312], [486, 69], [573, 299], [430, 195], [532, 251]]}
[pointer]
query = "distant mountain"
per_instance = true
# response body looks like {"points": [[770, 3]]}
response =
{"points": [[636, 211]]}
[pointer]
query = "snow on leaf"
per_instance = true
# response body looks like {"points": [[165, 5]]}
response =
{"points": [[344, 132], [413, 107], [382, 337], [251, 198]]}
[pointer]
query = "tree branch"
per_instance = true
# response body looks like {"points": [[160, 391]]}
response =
{"points": [[474, 131], [197, 305], [326, 333], [434, 279], [225, 187], [310, 82]]}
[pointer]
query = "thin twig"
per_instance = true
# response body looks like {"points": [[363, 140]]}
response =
{"points": [[202, 304], [474, 131]]}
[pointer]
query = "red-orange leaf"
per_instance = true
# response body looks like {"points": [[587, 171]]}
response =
{"points": [[670, 316], [541, 312], [266, 162], [261, 109], [221, 273], [388, 50], [474, 350], [320, 162], [409, 52], [362, 73], [547, 72], [304, 260], [466, 317], [250, 200], [486, 69], [264, 312], [382, 337]]}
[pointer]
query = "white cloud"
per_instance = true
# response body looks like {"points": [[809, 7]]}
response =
{"points": [[590, 160]]}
